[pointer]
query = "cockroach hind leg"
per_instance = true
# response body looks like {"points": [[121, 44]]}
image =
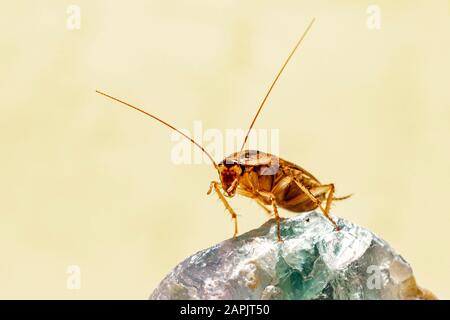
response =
{"points": [[327, 215], [336, 226], [318, 203], [330, 199], [277, 218]]}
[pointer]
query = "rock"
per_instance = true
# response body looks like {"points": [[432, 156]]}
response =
{"points": [[314, 261]]}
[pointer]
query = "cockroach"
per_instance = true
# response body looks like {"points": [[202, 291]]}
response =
{"points": [[263, 177]]}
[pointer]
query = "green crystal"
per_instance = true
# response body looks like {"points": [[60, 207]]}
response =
{"points": [[314, 261]]}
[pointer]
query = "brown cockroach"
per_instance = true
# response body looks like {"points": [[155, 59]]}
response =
{"points": [[269, 180]]}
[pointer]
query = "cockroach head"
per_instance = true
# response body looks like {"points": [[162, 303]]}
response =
{"points": [[230, 171]]}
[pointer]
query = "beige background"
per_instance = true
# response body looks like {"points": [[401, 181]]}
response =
{"points": [[86, 182]]}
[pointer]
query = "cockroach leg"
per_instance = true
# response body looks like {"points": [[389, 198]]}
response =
{"points": [[273, 201], [254, 195], [317, 202], [330, 199], [277, 217], [308, 193], [216, 186], [262, 205]]}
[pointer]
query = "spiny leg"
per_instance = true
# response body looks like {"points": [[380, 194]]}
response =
{"points": [[215, 185], [317, 202], [275, 211], [308, 193], [329, 198]]}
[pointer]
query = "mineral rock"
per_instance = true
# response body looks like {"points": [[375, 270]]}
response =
{"points": [[314, 261]]}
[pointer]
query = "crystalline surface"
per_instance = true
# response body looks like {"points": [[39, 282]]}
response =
{"points": [[313, 262]]}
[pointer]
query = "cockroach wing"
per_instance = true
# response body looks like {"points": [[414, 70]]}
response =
{"points": [[270, 169]]}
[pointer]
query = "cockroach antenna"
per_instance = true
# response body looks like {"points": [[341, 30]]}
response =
{"points": [[275, 81], [161, 121]]}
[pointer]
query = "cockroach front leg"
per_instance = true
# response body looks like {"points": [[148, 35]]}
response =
{"points": [[330, 192], [216, 186]]}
